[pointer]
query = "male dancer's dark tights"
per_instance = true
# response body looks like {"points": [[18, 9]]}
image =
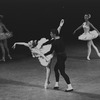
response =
{"points": [[60, 67]]}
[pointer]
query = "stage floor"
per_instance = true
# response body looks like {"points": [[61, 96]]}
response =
{"points": [[23, 78]]}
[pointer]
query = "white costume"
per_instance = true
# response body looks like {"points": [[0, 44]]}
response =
{"points": [[88, 35], [39, 52]]}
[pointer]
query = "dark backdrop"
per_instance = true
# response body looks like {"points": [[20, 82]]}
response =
{"points": [[33, 19]]}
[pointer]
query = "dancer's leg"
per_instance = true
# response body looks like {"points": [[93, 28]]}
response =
{"points": [[3, 51], [96, 49], [89, 43], [6, 47], [56, 70], [48, 72], [61, 61]]}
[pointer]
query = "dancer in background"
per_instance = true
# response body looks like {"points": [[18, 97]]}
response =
{"points": [[89, 35], [37, 51], [4, 35]]}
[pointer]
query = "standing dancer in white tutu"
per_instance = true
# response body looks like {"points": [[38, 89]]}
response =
{"points": [[89, 35], [3, 39], [39, 52]]}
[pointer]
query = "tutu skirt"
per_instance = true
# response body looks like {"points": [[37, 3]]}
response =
{"points": [[88, 36], [5, 36], [44, 62], [38, 53]]}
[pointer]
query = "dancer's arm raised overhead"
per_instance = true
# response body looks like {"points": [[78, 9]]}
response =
{"points": [[78, 28], [60, 25], [20, 43]]}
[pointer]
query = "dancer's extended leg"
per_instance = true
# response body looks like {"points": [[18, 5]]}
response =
{"points": [[96, 49], [89, 43], [6, 47], [48, 72]]}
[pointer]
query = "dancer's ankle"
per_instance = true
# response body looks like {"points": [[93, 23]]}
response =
{"points": [[88, 58]]}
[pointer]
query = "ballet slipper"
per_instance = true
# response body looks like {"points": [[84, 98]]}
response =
{"points": [[69, 89]]}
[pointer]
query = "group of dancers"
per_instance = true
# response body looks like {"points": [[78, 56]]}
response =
{"points": [[44, 49]]}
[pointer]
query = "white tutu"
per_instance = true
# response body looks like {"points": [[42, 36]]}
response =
{"points": [[45, 62], [88, 36], [5, 36], [39, 52]]}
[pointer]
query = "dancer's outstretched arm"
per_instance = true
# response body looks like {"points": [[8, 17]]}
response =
{"points": [[20, 43], [60, 26], [78, 28]]}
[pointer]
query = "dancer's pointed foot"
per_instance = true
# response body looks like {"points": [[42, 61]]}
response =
{"points": [[88, 58], [9, 57], [98, 54], [46, 84], [3, 59]]}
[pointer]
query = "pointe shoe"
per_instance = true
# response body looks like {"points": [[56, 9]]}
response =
{"points": [[88, 58], [46, 84], [98, 54]]}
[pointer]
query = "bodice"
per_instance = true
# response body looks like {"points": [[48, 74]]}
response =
{"points": [[86, 27]]}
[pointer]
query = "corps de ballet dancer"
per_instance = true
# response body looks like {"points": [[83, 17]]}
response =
{"points": [[37, 51], [3, 39], [89, 35]]}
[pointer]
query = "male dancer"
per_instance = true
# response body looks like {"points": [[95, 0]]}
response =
{"points": [[59, 48]]}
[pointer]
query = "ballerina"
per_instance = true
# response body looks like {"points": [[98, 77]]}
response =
{"points": [[89, 35], [37, 51], [3, 39]]}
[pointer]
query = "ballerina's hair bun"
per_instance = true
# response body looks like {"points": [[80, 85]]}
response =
{"points": [[89, 15]]}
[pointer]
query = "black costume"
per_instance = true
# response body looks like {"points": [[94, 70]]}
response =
{"points": [[59, 48]]}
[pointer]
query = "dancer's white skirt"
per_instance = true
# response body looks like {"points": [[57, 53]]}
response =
{"points": [[39, 54], [88, 36], [44, 62], [5, 36]]}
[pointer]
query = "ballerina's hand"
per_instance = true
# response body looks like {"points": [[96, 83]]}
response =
{"points": [[74, 32], [14, 46]]}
